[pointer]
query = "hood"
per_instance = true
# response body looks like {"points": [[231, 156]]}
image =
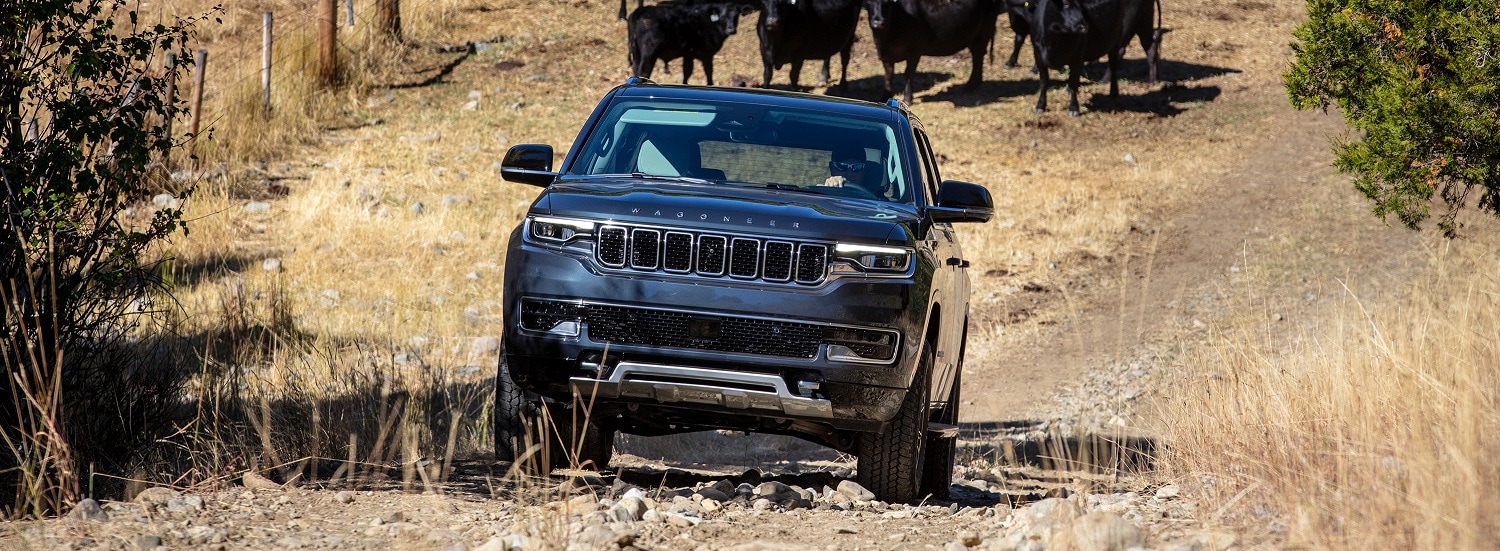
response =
{"points": [[729, 208]]}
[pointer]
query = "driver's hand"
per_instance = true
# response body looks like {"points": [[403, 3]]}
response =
{"points": [[833, 181]]}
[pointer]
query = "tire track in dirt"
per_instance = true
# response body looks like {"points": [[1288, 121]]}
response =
{"points": [[1174, 292]]}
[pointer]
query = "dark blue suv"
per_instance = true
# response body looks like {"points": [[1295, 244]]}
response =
{"points": [[753, 260]]}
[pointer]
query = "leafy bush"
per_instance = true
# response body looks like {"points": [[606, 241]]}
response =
{"points": [[1421, 82], [82, 100]]}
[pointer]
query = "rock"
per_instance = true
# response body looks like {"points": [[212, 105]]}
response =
{"points": [[185, 503], [345, 497], [1168, 492], [471, 105], [713, 493], [455, 200], [494, 544], [147, 541], [954, 546], [634, 507], [970, 538], [272, 265], [711, 505], [254, 207], [418, 207], [854, 491], [1129, 158], [88, 509], [1099, 531], [761, 504], [201, 534], [681, 521], [156, 495], [772, 488], [165, 201]]}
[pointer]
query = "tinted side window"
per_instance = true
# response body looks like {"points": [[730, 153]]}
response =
{"points": [[930, 176]]}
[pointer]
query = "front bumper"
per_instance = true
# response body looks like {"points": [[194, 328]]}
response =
{"points": [[773, 378]]}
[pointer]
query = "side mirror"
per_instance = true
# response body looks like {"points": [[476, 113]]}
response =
{"points": [[528, 163], [962, 202]]}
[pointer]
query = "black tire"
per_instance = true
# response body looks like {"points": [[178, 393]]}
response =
{"points": [[594, 446], [520, 427], [510, 415], [890, 462], [937, 475]]}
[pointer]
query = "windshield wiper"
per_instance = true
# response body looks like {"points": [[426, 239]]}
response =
{"points": [[643, 176], [789, 187]]}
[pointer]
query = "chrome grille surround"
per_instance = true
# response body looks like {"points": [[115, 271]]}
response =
{"points": [[703, 254]]}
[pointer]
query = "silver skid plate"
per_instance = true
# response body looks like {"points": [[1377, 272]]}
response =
{"points": [[729, 389]]}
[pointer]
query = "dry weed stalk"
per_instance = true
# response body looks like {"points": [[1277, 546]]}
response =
{"points": [[1375, 432]]}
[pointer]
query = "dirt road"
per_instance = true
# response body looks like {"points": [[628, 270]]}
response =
{"points": [[1259, 239]]}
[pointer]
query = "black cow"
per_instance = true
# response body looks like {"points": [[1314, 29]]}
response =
{"points": [[906, 30], [672, 30], [1069, 33], [793, 31]]}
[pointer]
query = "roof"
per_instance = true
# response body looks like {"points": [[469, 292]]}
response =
{"points": [[642, 88]]}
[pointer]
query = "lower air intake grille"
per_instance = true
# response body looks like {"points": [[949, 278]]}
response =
{"points": [[640, 326]]}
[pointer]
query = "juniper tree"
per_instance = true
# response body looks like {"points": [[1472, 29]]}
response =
{"points": [[1420, 83]]}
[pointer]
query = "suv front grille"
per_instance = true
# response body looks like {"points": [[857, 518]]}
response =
{"points": [[711, 255], [708, 331]]}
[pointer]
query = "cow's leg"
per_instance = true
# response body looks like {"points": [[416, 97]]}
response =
{"points": [[796, 72], [1153, 54], [823, 76], [687, 68], [976, 71], [708, 70], [646, 64], [1114, 81], [1015, 53], [1073, 72], [890, 75], [1041, 96], [766, 67], [911, 73], [844, 67]]}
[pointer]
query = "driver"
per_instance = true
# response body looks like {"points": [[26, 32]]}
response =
{"points": [[850, 167]]}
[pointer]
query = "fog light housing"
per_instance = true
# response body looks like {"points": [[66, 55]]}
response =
{"points": [[552, 316]]}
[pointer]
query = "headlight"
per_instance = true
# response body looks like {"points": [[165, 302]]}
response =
{"points": [[875, 259], [558, 230]]}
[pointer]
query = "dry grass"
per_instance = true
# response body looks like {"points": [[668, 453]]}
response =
{"points": [[1375, 431], [368, 278]]}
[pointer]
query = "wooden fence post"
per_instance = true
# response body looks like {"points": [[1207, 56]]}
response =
{"points": [[388, 18], [349, 12], [265, 67], [327, 45], [200, 65], [170, 109]]}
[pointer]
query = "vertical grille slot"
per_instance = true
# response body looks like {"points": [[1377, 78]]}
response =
{"points": [[812, 263], [611, 249], [711, 251], [744, 257], [678, 257], [679, 252], [645, 249], [778, 261]]}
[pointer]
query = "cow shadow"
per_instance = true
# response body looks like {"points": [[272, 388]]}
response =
{"points": [[872, 88], [1163, 102], [1137, 70], [988, 92]]}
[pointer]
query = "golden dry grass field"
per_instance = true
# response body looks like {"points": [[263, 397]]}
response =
{"points": [[372, 247]]}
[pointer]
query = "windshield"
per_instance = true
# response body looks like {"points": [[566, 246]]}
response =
{"points": [[746, 144]]}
